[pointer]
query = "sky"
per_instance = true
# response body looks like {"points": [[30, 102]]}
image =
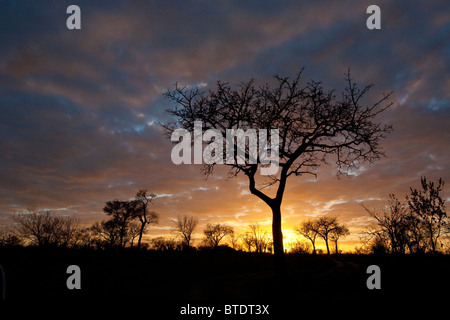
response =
{"points": [[80, 110]]}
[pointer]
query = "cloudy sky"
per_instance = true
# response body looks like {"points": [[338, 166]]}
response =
{"points": [[80, 109]]}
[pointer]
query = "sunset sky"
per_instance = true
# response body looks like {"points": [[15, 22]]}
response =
{"points": [[80, 109]]}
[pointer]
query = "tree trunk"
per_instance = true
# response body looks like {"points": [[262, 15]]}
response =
{"points": [[141, 231], [328, 248], [122, 236], [275, 205], [278, 250], [432, 242]]}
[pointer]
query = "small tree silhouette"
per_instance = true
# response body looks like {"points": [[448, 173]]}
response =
{"points": [[309, 229], [428, 206], [336, 234], [122, 213], [394, 225], [215, 233], [326, 225], [185, 227], [143, 213], [44, 228], [109, 232], [416, 224]]}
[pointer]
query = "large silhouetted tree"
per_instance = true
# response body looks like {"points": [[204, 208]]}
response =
{"points": [[315, 127]]}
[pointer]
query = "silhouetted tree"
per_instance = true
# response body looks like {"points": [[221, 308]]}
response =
{"points": [[134, 230], [337, 233], [326, 226], [215, 233], [9, 238], [378, 245], [309, 229], [122, 212], [109, 232], [415, 225], [260, 238], [314, 127], [143, 212], [86, 238], [234, 240], [43, 228], [394, 224], [248, 240], [185, 227], [416, 237], [299, 247], [428, 208], [162, 244]]}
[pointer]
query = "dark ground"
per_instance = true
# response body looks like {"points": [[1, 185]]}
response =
{"points": [[159, 282]]}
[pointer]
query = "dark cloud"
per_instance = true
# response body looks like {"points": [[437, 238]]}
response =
{"points": [[80, 109]]}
